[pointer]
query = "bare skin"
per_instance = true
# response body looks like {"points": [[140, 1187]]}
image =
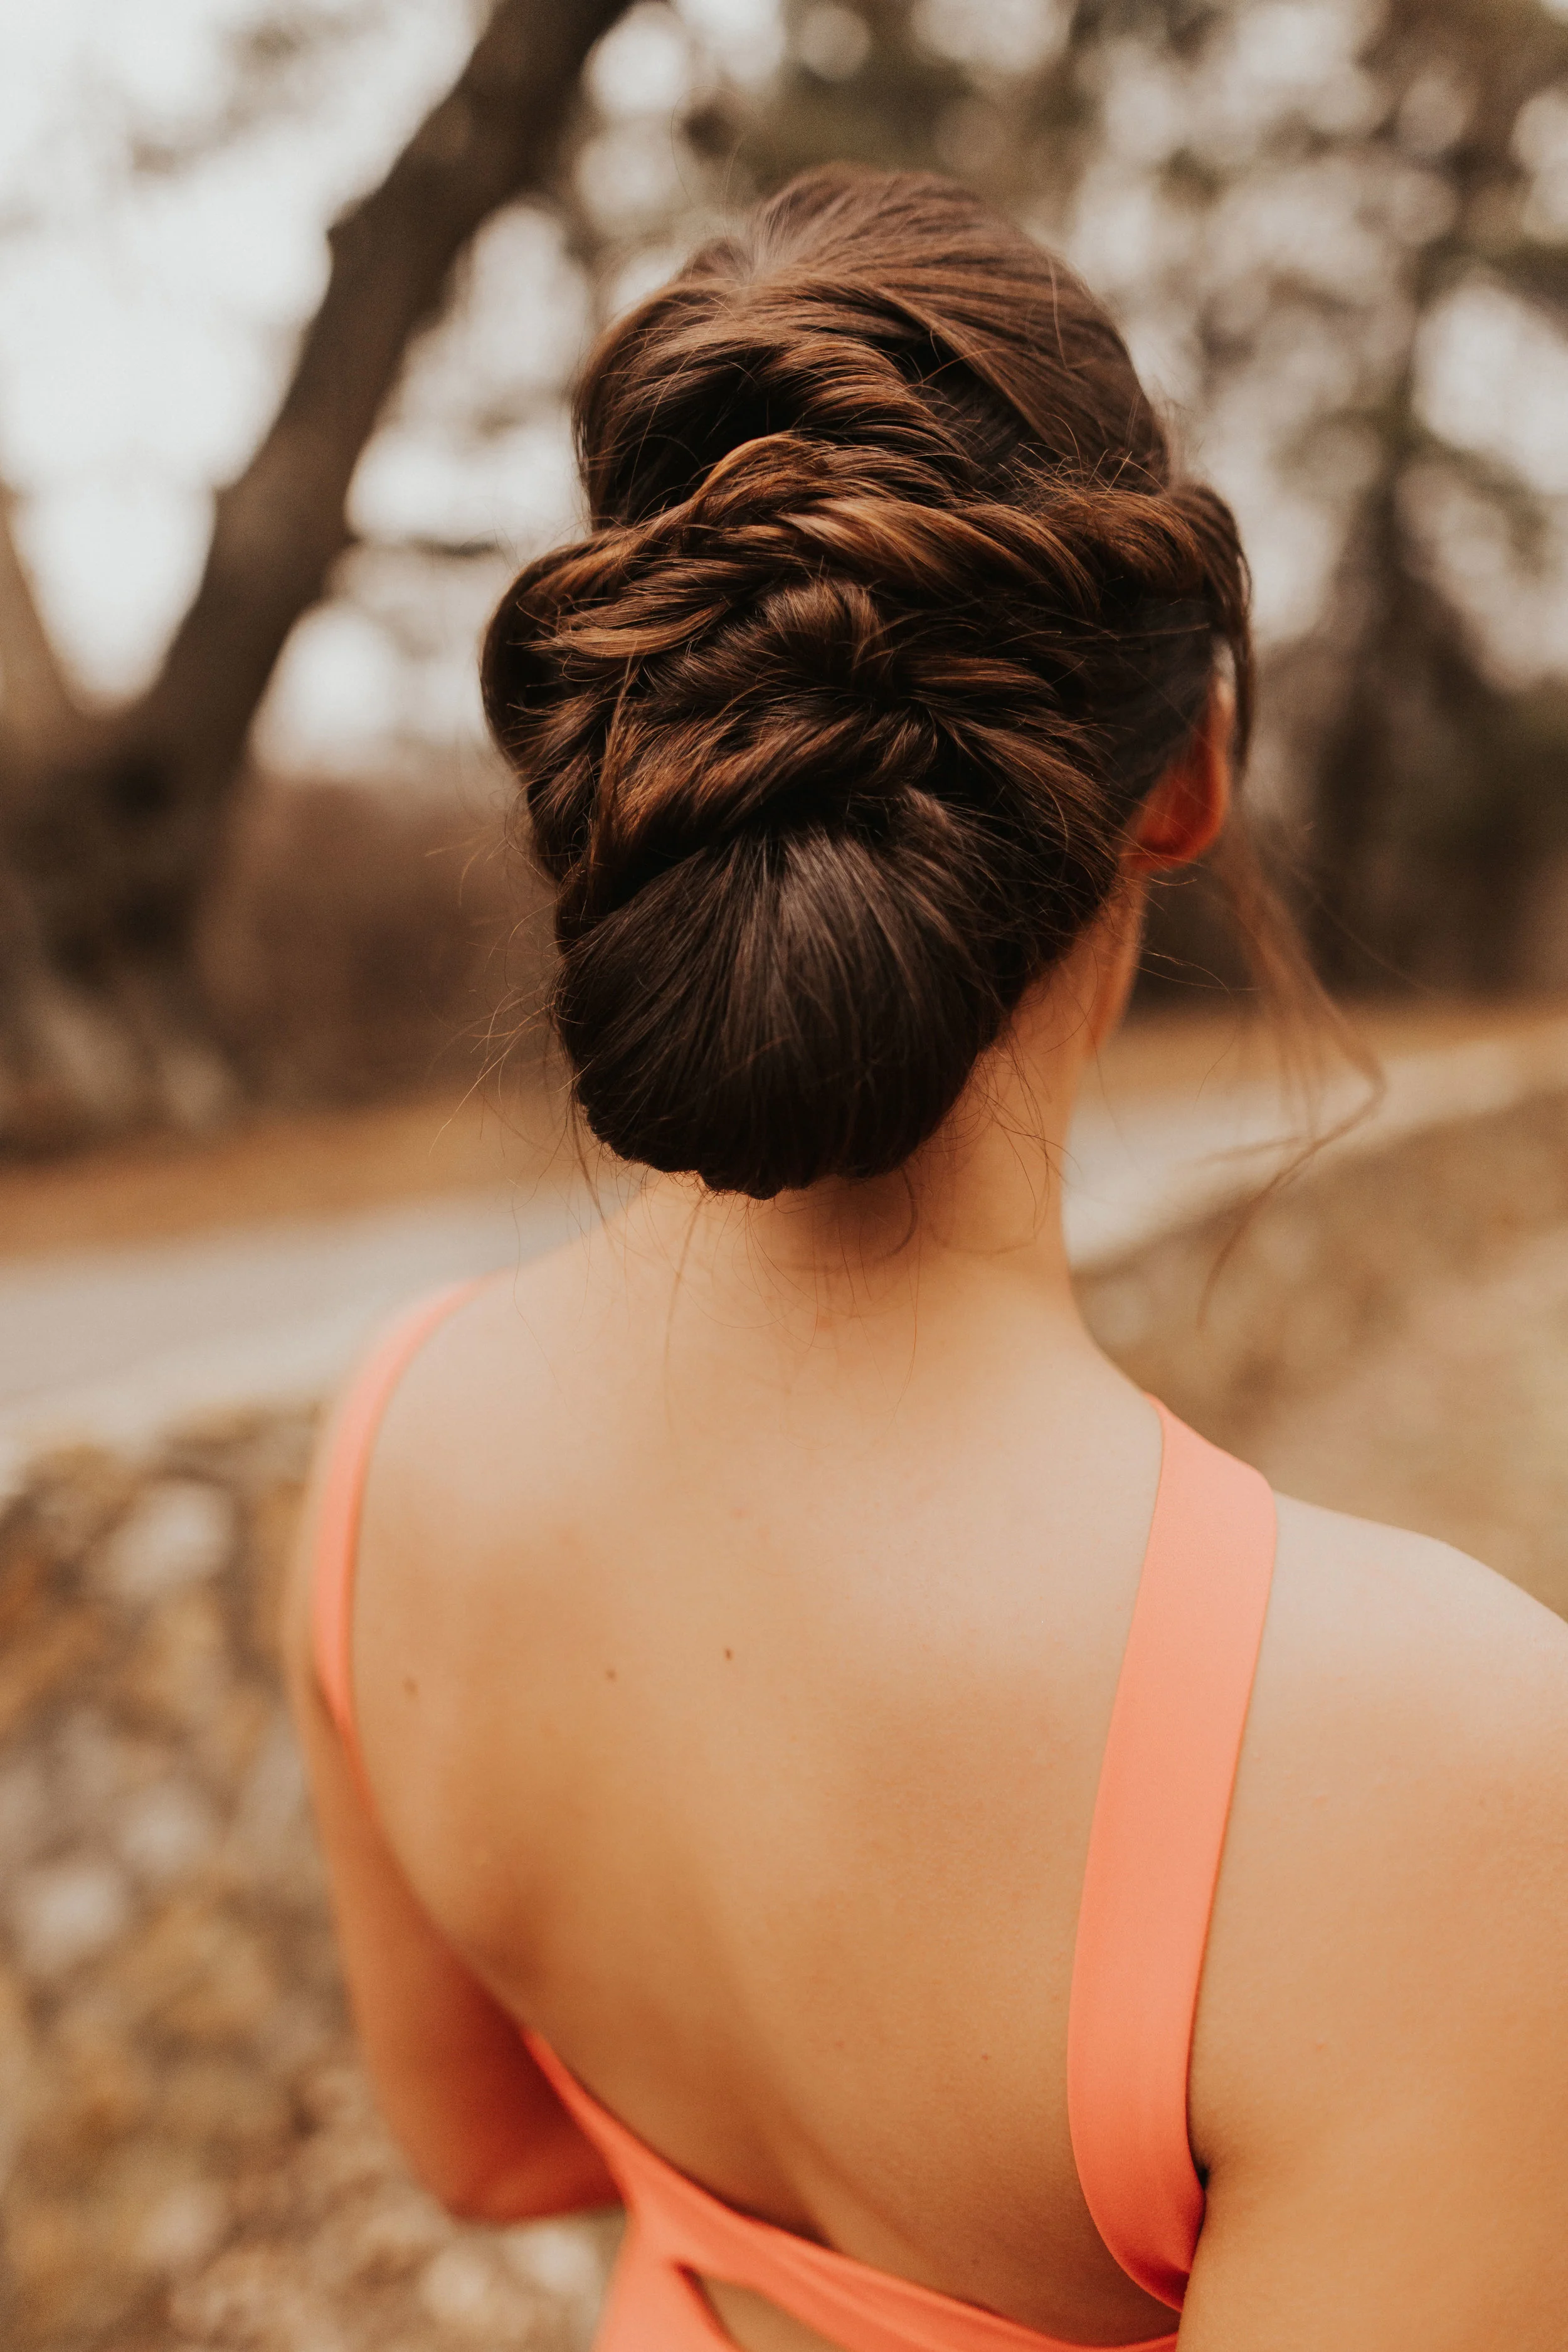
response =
{"points": [[740, 1598]]}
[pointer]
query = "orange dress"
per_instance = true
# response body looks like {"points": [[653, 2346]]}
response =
{"points": [[1154, 1859]]}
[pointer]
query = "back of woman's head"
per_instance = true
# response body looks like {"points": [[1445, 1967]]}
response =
{"points": [[830, 731]]}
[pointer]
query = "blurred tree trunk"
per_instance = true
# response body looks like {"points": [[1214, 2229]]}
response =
{"points": [[1427, 811], [112, 825]]}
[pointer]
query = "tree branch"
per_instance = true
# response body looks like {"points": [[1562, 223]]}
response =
{"points": [[39, 710], [280, 527]]}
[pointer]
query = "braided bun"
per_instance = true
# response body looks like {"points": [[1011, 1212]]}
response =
{"points": [[830, 730]]}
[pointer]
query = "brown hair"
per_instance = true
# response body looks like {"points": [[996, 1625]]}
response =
{"points": [[889, 614]]}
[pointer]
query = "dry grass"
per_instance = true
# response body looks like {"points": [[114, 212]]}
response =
{"points": [[1388, 1337]]}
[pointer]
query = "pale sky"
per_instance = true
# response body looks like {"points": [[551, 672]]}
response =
{"points": [[148, 317]]}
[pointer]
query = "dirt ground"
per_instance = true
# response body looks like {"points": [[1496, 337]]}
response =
{"points": [[280, 1164]]}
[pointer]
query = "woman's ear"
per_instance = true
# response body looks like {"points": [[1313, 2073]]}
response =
{"points": [[1185, 812]]}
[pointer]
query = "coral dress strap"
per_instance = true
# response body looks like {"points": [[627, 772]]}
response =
{"points": [[349, 1448], [1154, 1854]]}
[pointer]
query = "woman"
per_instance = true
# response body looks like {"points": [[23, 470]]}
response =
{"points": [[797, 1697]]}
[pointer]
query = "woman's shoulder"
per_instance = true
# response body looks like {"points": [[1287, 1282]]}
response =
{"points": [[1410, 1721], [1386, 1635], [1382, 2055], [494, 1392]]}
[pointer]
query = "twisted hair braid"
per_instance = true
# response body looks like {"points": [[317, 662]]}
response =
{"points": [[830, 730]]}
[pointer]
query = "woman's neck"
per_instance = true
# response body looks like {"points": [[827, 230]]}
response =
{"points": [[976, 1215]]}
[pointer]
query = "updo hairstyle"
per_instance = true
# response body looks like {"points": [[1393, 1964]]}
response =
{"points": [[889, 614]]}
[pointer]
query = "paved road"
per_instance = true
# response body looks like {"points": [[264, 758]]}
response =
{"points": [[113, 1344]]}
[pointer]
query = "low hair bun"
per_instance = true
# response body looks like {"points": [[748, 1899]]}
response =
{"points": [[829, 729]]}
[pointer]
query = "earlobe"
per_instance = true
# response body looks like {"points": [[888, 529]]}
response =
{"points": [[1185, 812]]}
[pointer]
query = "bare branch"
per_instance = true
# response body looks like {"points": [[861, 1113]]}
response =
{"points": [[280, 527], [39, 710]]}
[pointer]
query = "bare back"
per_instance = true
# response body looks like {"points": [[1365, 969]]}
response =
{"points": [[734, 1695]]}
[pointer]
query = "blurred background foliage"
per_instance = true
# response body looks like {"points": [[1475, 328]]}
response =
{"points": [[263, 484]]}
